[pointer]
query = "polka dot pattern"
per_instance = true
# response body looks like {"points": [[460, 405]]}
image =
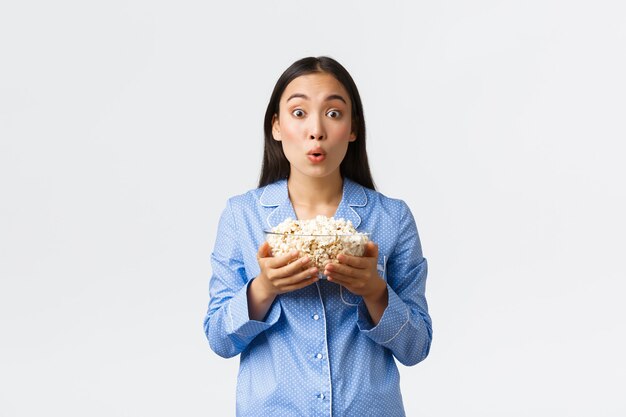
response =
{"points": [[317, 353]]}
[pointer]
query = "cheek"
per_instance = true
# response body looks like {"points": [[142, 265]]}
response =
{"points": [[342, 131], [291, 130]]}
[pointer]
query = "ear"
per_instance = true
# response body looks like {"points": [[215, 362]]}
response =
{"points": [[276, 128], [352, 132]]}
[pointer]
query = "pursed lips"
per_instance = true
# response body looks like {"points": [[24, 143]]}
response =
{"points": [[316, 155], [316, 152]]}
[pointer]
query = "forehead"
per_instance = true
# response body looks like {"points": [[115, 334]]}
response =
{"points": [[315, 86]]}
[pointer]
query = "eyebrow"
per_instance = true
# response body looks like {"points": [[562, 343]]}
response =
{"points": [[329, 98]]}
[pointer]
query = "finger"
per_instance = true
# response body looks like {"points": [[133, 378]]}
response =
{"points": [[294, 267], [300, 284], [353, 261], [282, 260], [264, 250], [339, 269], [371, 250], [296, 278], [341, 279]]}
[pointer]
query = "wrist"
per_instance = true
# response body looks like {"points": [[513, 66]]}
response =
{"points": [[379, 295], [261, 291], [376, 302]]}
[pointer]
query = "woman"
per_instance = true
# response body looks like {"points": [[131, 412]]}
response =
{"points": [[310, 346]]}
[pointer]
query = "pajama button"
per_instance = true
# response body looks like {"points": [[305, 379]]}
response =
{"points": [[316, 317], [319, 356]]}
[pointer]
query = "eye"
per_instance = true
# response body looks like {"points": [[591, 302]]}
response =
{"points": [[334, 114], [298, 113]]}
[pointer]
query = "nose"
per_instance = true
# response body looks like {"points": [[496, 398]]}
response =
{"points": [[316, 129]]}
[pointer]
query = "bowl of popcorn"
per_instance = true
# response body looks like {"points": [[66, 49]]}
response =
{"points": [[321, 239]]}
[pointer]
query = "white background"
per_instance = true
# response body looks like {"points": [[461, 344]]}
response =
{"points": [[125, 126]]}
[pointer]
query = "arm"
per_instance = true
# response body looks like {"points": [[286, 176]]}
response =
{"points": [[240, 310], [259, 300], [392, 314], [227, 324], [405, 326]]}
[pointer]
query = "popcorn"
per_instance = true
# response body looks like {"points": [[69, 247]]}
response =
{"points": [[322, 239]]}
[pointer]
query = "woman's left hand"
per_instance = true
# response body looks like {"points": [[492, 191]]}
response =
{"points": [[360, 276]]}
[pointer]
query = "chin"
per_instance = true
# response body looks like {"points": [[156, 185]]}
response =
{"points": [[324, 174], [316, 172]]}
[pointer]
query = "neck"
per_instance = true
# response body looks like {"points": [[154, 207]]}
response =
{"points": [[314, 192]]}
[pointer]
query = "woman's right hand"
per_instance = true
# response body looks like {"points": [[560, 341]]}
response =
{"points": [[277, 276], [284, 273]]}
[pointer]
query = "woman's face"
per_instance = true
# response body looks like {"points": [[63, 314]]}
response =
{"points": [[314, 124]]}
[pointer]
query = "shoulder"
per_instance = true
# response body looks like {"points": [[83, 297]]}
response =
{"points": [[392, 206], [267, 196], [245, 198]]}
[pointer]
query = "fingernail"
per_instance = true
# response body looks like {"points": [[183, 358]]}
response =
{"points": [[304, 260]]}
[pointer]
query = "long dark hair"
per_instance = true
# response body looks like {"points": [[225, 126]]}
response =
{"points": [[354, 165]]}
